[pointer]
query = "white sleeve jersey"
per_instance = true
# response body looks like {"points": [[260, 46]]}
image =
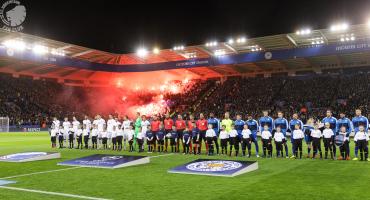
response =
{"points": [[126, 124], [75, 125], [66, 125], [224, 135], [327, 133], [94, 132], [101, 124], [144, 127], [87, 124], [119, 132], [130, 134], [316, 133], [298, 134], [110, 124], [233, 133], [246, 133], [79, 132], [53, 133], [266, 135], [56, 125], [210, 133], [279, 136], [85, 132]]}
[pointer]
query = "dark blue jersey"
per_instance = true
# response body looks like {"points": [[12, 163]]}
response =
{"points": [[292, 124], [215, 124], [186, 135], [149, 134], [360, 121], [252, 125], [173, 134], [332, 121], [346, 123], [266, 121], [160, 134], [239, 126], [282, 123], [194, 132]]}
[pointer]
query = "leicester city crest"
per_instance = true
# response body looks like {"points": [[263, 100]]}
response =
{"points": [[214, 166]]}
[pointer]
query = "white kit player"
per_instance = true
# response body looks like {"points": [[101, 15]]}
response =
{"points": [[101, 126], [75, 125], [125, 126], [66, 126], [111, 124], [87, 123], [144, 127]]}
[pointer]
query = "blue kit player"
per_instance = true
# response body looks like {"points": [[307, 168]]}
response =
{"points": [[358, 121]]}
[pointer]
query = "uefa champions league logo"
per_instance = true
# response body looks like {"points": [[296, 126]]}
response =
{"points": [[23, 155], [12, 14], [214, 166], [108, 158]]}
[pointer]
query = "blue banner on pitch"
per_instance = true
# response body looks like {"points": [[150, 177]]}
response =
{"points": [[107, 161], [29, 156], [211, 167]]}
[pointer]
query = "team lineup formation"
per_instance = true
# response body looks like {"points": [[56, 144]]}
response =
{"points": [[224, 136]]}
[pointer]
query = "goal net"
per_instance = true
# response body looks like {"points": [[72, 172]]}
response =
{"points": [[4, 124]]}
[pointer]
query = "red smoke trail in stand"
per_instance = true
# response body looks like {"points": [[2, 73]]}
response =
{"points": [[128, 93]]}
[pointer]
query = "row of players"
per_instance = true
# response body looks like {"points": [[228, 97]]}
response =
{"points": [[195, 131]]}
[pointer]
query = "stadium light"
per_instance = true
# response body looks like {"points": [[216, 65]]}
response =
{"points": [[211, 44], [231, 41], [339, 27], [15, 44], [40, 49], [57, 52], [306, 31], [178, 48], [347, 37], [156, 50], [142, 52], [219, 52], [191, 55], [241, 40]]}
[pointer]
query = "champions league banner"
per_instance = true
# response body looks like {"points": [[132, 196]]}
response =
{"points": [[228, 168], [29, 156], [107, 161]]}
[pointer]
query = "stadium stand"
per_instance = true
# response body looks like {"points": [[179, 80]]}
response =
{"points": [[34, 102]]}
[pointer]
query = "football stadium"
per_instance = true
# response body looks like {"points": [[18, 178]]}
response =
{"points": [[255, 111]]}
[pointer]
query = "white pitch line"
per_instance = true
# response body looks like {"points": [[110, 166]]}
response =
{"points": [[52, 193], [64, 169], [161, 155], [43, 172]]}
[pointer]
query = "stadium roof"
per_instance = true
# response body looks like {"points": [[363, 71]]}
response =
{"points": [[229, 58]]}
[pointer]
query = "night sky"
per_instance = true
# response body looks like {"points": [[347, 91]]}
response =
{"points": [[122, 26]]}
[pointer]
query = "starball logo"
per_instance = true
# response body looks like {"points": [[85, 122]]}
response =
{"points": [[12, 15]]}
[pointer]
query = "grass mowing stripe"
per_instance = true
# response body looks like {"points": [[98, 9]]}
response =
{"points": [[52, 193], [43, 172]]}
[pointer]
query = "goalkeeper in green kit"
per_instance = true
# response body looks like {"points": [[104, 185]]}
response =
{"points": [[137, 127]]}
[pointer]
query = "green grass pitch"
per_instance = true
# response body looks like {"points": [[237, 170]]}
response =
{"points": [[275, 179]]}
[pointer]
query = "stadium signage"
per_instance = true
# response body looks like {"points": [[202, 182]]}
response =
{"points": [[216, 167], [29, 156], [106, 161], [352, 46], [12, 15], [192, 63]]}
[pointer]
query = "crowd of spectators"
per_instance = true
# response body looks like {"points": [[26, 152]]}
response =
{"points": [[310, 96], [34, 102]]}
